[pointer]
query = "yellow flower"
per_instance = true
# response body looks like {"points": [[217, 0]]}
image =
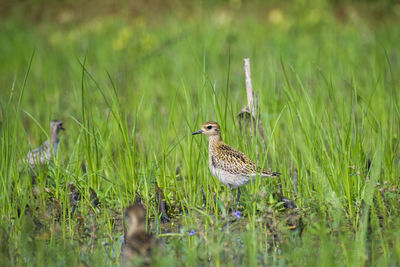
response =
{"points": [[122, 39], [275, 16]]}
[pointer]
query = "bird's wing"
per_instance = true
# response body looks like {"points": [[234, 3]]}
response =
{"points": [[38, 154], [234, 161]]}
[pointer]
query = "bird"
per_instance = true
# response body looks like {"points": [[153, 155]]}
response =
{"points": [[229, 165], [42, 155], [137, 242]]}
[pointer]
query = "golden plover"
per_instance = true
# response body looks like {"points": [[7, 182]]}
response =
{"points": [[232, 167], [137, 242], [43, 154]]}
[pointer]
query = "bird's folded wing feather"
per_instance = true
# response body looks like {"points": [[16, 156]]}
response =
{"points": [[234, 161], [35, 156]]}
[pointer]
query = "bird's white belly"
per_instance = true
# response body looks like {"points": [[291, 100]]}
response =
{"points": [[229, 179]]}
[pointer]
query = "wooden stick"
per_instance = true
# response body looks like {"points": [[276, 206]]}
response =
{"points": [[249, 87], [252, 105]]}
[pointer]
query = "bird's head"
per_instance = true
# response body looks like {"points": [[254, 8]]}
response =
{"points": [[56, 126], [209, 128]]}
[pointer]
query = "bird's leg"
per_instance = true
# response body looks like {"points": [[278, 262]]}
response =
{"points": [[233, 206], [238, 196]]}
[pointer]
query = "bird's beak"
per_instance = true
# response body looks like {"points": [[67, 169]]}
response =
{"points": [[198, 132], [62, 127]]}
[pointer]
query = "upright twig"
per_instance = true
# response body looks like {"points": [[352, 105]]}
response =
{"points": [[251, 112], [249, 87], [251, 115]]}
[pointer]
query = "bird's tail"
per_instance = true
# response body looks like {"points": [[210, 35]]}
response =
{"points": [[271, 174]]}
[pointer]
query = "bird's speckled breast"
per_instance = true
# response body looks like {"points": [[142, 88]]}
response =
{"points": [[227, 178]]}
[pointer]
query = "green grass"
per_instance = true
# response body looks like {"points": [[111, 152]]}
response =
{"points": [[131, 92]]}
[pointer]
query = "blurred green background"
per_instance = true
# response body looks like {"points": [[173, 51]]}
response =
{"points": [[131, 80]]}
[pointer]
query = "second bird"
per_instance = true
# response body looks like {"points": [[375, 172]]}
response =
{"points": [[232, 167], [43, 154]]}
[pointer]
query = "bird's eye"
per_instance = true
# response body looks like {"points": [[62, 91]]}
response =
{"points": [[209, 127]]}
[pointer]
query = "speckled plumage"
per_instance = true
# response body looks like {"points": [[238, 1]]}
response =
{"points": [[232, 167], [43, 154]]}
